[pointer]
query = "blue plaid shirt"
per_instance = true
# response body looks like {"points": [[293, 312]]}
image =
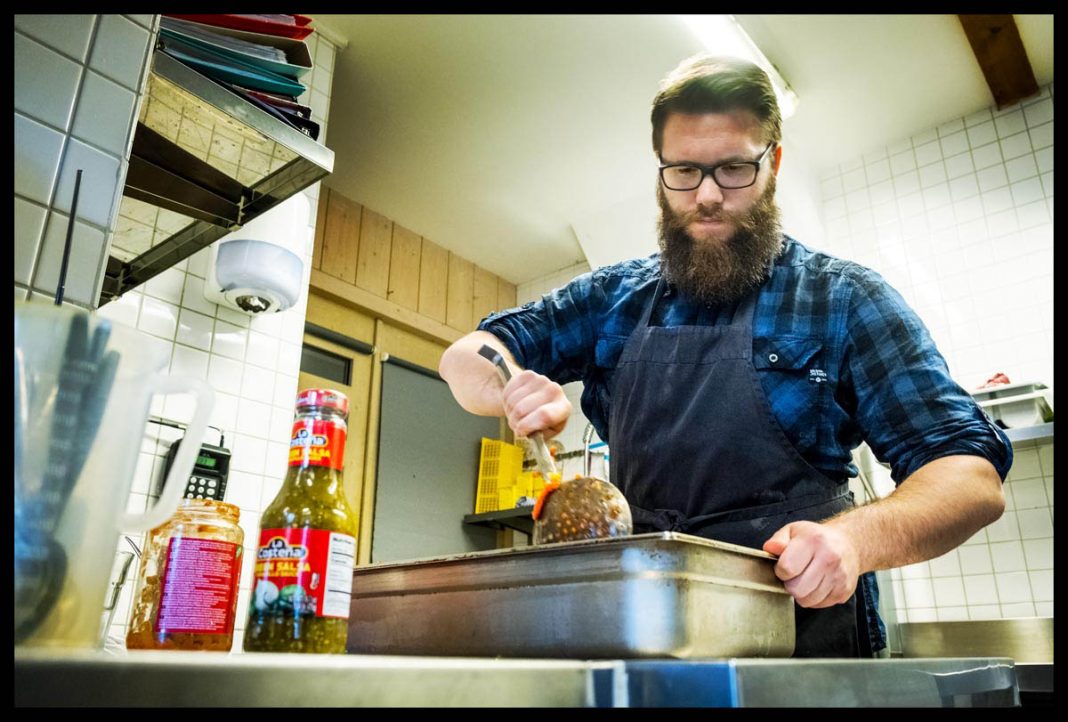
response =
{"points": [[840, 356]]}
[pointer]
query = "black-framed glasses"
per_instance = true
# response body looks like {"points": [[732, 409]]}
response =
{"points": [[730, 175]]}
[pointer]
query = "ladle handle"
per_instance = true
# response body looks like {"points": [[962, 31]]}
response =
{"points": [[545, 457], [541, 450]]}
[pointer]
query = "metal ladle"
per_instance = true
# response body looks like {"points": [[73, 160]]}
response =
{"points": [[571, 510], [542, 457]]}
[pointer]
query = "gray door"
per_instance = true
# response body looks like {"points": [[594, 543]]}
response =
{"points": [[428, 452]]}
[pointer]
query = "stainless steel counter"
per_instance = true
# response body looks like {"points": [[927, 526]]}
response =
{"points": [[961, 682], [85, 679], [192, 679]]}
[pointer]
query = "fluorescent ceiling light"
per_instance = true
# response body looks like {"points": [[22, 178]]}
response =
{"points": [[722, 35]]}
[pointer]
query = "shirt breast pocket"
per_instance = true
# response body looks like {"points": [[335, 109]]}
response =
{"points": [[794, 378]]}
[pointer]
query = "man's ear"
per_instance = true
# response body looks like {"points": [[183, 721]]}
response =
{"points": [[777, 160]]}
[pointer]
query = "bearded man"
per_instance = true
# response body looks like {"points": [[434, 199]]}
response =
{"points": [[733, 373]]}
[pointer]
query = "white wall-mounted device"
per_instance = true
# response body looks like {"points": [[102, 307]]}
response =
{"points": [[259, 268]]}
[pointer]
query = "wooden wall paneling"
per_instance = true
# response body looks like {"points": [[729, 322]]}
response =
{"points": [[370, 476], [484, 298], [353, 296], [408, 346], [337, 316], [341, 237], [505, 294], [320, 224], [433, 281], [372, 266], [461, 291], [404, 268]]}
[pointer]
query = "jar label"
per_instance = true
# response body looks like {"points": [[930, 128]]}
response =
{"points": [[317, 442], [304, 572], [198, 583]]}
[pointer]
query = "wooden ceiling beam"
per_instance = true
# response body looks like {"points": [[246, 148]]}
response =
{"points": [[996, 42]]}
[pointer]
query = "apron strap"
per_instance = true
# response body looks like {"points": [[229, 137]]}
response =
{"points": [[659, 519], [673, 520], [647, 314]]}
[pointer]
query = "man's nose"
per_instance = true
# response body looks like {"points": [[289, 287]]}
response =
{"points": [[709, 191]]}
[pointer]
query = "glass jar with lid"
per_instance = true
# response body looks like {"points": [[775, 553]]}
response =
{"points": [[186, 593]]}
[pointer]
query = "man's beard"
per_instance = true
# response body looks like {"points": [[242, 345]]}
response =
{"points": [[718, 271]]}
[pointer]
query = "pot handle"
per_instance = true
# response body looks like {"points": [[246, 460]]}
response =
{"points": [[175, 484]]}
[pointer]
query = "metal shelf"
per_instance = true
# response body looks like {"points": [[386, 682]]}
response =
{"points": [[203, 162], [1030, 435], [518, 519]]}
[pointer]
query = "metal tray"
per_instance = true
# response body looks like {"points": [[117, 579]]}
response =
{"points": [[643, 596]]}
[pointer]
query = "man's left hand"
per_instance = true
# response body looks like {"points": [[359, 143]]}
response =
{"points": [[819, 563]]}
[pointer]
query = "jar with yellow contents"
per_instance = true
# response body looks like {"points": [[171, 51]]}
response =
{"points": [[186, 593]]}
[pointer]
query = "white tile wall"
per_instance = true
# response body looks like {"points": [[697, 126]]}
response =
{"points": [[252, 364], [1006, 570], [963, 228], [37, 156], [960, 221], [36, 64], [67, 34], [78, 83], [100, 189], [29, 223], [86, 242], [122, 46], [104, 98]]}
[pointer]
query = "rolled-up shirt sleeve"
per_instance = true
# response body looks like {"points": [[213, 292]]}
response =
{"points": [[909, 409], [554, 335]]}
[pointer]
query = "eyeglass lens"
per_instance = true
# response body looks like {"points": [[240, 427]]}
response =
{"points": [[734, 175]]}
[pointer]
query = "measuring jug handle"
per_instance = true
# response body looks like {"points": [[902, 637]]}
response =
{"points": [[175, 484]]}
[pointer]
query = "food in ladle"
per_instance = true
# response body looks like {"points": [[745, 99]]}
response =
{"points": [[582, 508]]}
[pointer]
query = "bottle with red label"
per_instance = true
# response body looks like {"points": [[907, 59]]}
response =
{"points": [[302, 583]]}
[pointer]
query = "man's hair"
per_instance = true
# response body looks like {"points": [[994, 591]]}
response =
{"points": [[710, 84]]}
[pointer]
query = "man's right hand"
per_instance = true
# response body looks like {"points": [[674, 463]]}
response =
{"points": [[531, 402]]}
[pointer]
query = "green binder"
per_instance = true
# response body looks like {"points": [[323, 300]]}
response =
{"points": [[226, 67]]}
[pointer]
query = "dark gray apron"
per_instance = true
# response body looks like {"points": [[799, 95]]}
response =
{"points": [[696, 449]]}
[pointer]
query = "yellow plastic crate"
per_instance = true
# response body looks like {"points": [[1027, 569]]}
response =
{"points": [[498, 465], [527, 483]]}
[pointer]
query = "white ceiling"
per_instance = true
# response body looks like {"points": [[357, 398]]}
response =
{"points": [[506, 138]]}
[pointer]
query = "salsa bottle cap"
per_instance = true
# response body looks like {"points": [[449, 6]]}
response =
{"points": [[324, 397]]}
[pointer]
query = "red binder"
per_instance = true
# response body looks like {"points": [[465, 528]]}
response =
{"points": [[296, 26]]}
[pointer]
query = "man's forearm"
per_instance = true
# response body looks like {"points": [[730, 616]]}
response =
{"points": [[936, 509], [473, 380]]}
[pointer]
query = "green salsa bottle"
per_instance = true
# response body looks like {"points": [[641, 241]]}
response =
{"points": [[303, 578]]}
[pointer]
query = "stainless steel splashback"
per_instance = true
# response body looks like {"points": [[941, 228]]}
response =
{"points": [[1027, 639]]}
